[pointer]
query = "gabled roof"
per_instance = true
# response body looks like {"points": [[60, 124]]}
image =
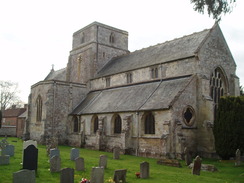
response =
{"points": [[139, 97], [57, 75], [176, 49], [13, 112]]}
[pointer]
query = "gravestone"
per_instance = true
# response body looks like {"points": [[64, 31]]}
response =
{"points": [[54, 152], [8, 150], [197, 163], [26, 144], [238, 157], [97, 175], [30, 158], [120, 175], [55, 164], [144, 170], [103, 161], [79, 164], [74, 153], [67, 175], [116, 152], [4, 160], [187, 156], [24, 176]]}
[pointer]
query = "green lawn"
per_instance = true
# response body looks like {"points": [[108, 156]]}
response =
{"points": [[227, 173]]}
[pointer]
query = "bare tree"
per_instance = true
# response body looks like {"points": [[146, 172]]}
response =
{"points": [[8, 94]]}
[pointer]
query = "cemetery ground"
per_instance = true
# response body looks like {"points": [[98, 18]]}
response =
{"points": [[227, 171]]}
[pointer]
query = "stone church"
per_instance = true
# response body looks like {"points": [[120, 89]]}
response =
{"points": [[152, 102]]}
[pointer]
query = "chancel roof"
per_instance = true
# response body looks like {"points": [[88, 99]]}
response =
{"points": [[171, 50], [138, 97], [57, 75]]}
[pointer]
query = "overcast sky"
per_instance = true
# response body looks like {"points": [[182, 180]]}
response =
{"points": [[36, 34]]}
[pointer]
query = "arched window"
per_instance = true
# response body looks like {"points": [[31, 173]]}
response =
{"points": [[75, 124], [39, 109], [111, 38], [149, 123], [95, 124], [117, 124], [217, 87]]}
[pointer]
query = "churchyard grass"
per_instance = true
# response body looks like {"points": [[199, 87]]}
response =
{"points": [[227, 172]]}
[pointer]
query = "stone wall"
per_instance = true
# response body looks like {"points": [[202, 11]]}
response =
{"points": [[8, 130]]}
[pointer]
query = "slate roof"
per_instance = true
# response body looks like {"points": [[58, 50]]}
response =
{"points": [[57, 75], [171, 50], [138, 97]]}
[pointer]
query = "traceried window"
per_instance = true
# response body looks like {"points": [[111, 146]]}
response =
{"points": [[117, 124], [149, 123], [129, 77], [75, 124], [39, 109], [217, 87], [154, 72], [111, 38], [108, 82]]}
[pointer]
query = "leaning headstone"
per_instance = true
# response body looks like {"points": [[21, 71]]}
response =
{"points": [[4, 160], [67, 175], [97, 175], [103, 161], [116, 152], [8, 150], [187, 156], [120, 175], [30, 158], [197, 163], [74, 153], [24, 176], [79, 164], [144, 170], [54, 152], [55, 164], [238, 157]]}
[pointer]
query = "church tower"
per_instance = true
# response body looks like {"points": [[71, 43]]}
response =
{"points": [[93, 46]]}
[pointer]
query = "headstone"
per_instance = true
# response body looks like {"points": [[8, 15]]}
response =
{"points": [[97, 175], [197, 163], [29, 142], [8, 150], [26, 144], [206, 167], [24, 176], [75, 153], [54, 152], [116, 152], [55, 164], [187, 156], [79, 164], [30, 158], [144, 170], [103, 161], [4, 160], [120, 175], [67, 175], [238, 157]]}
